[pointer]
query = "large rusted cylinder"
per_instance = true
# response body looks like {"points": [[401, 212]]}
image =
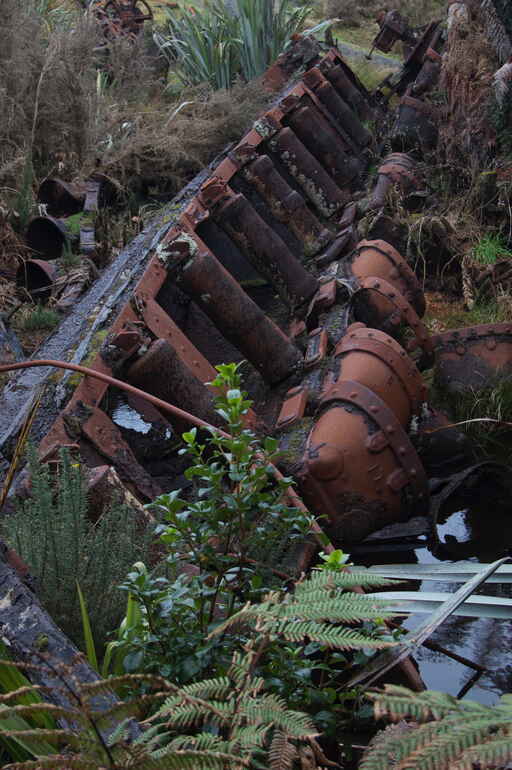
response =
{"points": [[161, 372], [325, 144], [347, 89], [378, 258], [38, 277], [473, 358], [266, 251], [239, 319], [309, 174], [378, 303], [377, 361], [343, 114], [47, 236], [360, 469], [62, 198], [287, 205]]}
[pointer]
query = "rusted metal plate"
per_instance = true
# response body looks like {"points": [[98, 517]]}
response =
{"points": [[294, 407], [316, 350], [473, 358]]}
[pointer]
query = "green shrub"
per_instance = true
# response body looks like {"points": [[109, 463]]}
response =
{"points": [[40, 318], [53, 535], [490, 249]]}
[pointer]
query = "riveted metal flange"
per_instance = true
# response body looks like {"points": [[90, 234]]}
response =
{"points": [[379, 258], [376, 360], [377, 298]]}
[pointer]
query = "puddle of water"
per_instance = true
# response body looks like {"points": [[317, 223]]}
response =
{"points": [[125, 417], [479, 530]]}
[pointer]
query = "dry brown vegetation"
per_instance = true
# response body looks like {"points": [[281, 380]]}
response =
{"points": [[70, 106], [355, 12]]}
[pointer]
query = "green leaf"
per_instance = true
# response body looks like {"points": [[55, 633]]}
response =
{"points": [[90, 647]]}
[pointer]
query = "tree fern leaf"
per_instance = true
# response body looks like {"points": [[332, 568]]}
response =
{"points": [[251, 737], [193, 760], [349, 609], [325, 580], [497, 753], [330, 636], [269, 709], [282, 753]]}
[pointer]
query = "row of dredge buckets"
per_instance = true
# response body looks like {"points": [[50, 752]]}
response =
{"points": [[263, 263]]}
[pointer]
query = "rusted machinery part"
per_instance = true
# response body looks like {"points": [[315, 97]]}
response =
{"points": [[473, 358], [376, 360], [287, 205], [378, 258], [360, 469], [232, 311], [397, 169], [161, 372], [415, 127], [378, 303], [47, 236], [61, 198], [38, 277], [266, 251]]}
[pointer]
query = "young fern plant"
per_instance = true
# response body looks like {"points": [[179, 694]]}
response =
{"points": [[449, 734]]}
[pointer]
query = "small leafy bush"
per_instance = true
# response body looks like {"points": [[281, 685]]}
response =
{"points": [[40, 318]]}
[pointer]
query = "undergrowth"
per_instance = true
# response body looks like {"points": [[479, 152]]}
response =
{"points": [[53, 534], [490, 249], [40, 318]]}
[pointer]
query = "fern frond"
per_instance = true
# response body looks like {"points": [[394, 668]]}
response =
{"points": [[200, 742], [269, 709], [282, 753], [330, 636], [193, 760], [327, 581], [460, 735], [353, 609], [251, 737], [497, 753]]}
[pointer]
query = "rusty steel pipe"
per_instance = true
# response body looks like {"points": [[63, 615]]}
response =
{"points": [[326, 145], [238, 317], [162, 372], [397, 169], [287, 205], [266, 251], [308, 173], [347, 89], [378, 258], [377, 361]]}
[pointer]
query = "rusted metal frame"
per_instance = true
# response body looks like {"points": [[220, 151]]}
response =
{"points": [[393, 435], [316, 351], [88, 229], [234, 313], [404, 312], [106, 437], [471, 335]]}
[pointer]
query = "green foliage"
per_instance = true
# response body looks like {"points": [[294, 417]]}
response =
{"points": [[52, 532], [41, 318], [215, 44], [229, 721], [228, 534], [454, 735], [490, 249]]}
